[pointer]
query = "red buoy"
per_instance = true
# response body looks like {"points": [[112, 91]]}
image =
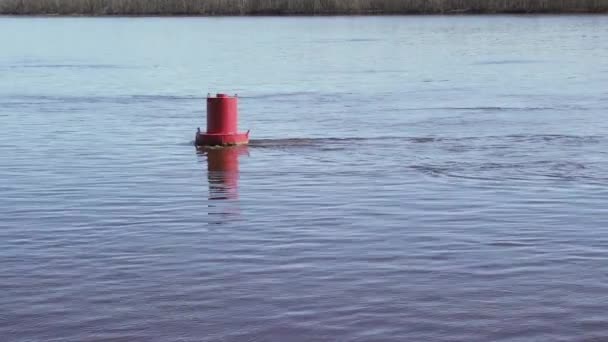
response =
{"points": [[222, 123]]}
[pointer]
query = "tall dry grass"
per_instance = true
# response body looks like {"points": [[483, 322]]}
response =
{"points": [[294, 7]]}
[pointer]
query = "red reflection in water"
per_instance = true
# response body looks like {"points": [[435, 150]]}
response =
{"points": [[223, 171]]}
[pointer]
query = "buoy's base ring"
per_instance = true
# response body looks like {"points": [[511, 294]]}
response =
{"points": [[212, 139]]}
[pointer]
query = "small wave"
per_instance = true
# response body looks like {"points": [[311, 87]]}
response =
{"points": [[189, 143], [507, 61], [329, 144], [518, 138], [507, 243], [309, 142], [486, 108], [165, 97], [68, 66], [347, 40], [362, 40], [433, 81], [491, 140], [552, 138], [124, 99], [431, 170], [366, 71], [423, 140], [548, 169], [540, 164], [301, 142], [280, 95]]}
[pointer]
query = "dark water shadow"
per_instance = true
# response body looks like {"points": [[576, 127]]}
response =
{"points": [[474, 141], [303, 142], [509, 156]]}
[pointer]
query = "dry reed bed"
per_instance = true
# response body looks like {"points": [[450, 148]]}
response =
{"points": [[294, 7]]}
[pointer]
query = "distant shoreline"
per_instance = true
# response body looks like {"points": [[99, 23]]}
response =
{"points": [[120, 15], [212, 8]]}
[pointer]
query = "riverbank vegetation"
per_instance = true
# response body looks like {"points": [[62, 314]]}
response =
{"points": [[294, 7]]}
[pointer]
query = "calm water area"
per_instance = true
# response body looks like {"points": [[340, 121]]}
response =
{"points": [[440, 178]]}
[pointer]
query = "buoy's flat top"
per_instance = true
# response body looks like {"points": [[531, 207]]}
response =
{"points": [[218, 95]]}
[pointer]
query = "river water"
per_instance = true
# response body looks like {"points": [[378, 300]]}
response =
{"points": [[409, 179]]}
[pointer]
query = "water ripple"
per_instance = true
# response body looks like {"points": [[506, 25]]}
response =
{"points": [[371, 204]]}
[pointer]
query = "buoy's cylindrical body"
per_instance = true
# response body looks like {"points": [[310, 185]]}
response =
{"points": [[222, 114], [222, 123]]}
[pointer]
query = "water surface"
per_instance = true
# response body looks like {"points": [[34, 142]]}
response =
{"points": [[410, 179]]}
